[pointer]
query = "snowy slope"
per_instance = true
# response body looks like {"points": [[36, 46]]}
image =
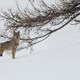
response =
{"points": [[56, 58], [53, 64], [57, 61]]}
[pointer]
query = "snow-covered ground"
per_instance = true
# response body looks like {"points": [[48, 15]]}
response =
{"points": [[56, 58], [61, 63], [56, 64]]}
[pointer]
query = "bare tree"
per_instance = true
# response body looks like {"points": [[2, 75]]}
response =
{"points": [[32, 24]]}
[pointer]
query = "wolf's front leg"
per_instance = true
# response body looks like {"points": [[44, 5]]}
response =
{"points": [[13, 52]]}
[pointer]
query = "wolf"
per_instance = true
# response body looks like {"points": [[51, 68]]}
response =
{"points": [[10, 45]]}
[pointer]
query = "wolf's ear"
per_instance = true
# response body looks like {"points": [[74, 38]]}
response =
{"points": [[18, 32], [14, 32]]}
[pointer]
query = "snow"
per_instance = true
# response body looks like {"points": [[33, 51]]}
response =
{"points": [[59, 64], [56, 58]]}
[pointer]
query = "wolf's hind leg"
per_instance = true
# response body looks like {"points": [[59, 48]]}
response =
{"points": [[1, 53]]}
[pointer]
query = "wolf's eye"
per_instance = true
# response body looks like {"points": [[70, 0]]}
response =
{"points": [[17, 37]]}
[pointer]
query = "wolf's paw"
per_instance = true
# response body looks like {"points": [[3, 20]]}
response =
{"points": [[1, 55]]}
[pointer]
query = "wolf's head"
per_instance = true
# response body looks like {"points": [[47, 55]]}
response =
{"points": [[16, 36]]}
